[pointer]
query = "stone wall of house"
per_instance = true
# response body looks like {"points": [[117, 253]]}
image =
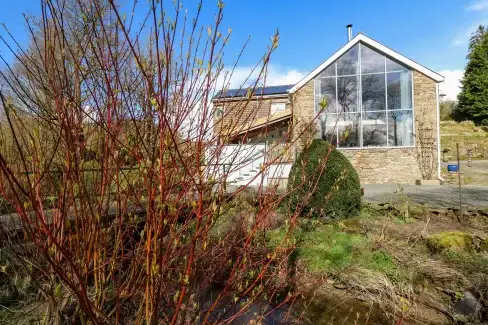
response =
{"points": [[425, 108], [379, 166], [303, 115], [388, 165]]}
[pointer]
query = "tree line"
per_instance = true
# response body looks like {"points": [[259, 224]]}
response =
{"points": [[472, 103]]}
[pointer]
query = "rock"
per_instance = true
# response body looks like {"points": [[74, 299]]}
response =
{"points": [[439, 210], [471, 213], [461, 319], [8, 294], [468, 306], [484, 246], [483, 212], [378, 207], [418, 288], [477, 242], [352, 226], [448, 292], [457, 211], [452, 214], [453, 240], [362, 298], [340, 286]]}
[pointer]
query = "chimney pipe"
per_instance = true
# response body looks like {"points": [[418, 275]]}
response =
{"points": [[349, 32]]}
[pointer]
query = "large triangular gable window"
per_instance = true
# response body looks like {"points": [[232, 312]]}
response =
{"points": [[364, 99]]}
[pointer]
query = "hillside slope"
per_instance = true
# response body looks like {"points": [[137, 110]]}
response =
{"points": [[467, 135]]}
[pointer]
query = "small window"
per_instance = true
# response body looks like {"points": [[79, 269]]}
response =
{"points": [[219, 111], [326, 100], [277, 107]]}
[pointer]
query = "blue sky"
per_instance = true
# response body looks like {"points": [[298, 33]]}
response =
{"points": [[434, 32]]}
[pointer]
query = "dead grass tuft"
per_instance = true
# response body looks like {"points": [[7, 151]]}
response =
{"points": [[393, 299]]}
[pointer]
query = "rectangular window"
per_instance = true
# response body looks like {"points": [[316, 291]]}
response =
{"points": [[399, 85], [218, 112], [328, 128], [374, 129], [326, 100], [347, 94], [374, 98], [277, 107], [400, 131], [349, 129]]}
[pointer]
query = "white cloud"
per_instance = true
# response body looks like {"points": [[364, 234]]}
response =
{"points": [[276, 75], [478, 6], [452, 83], [462, 37], [279, 76]]}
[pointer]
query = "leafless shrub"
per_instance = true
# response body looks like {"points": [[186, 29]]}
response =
{"points": [[103, 145]]}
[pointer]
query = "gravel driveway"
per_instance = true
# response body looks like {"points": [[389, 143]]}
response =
{"points": [[432, 195]]}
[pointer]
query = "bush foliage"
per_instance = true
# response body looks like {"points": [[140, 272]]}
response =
{"points": [[325, 182]]}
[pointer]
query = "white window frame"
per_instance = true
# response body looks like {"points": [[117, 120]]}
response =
{"points": [[360, 102]]}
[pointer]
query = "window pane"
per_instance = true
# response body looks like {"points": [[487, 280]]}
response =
{"points": [[374, 129], [400, 128], [349, 129], [347, 94], [329, 71], [325, 100], [392, 65], [373, 92], [277, 107], [328, 128], [399, 85], [347, 64], [371, 61]]}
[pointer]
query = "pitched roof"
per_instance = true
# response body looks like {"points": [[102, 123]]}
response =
{"points": [[374, 44], [265, 121], [259, 91]]}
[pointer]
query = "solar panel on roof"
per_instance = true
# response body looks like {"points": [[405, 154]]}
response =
{"points": [[270, 90]]}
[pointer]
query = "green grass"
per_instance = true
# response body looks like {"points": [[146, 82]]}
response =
{"points": [[468, 262], [467, 135], [381, 261], [322, 248], [327, 249]]}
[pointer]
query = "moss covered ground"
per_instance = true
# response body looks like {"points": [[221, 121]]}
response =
{"points": [[411, 265]]}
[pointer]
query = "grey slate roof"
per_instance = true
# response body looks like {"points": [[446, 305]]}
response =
{"points": [[259, 91]]}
